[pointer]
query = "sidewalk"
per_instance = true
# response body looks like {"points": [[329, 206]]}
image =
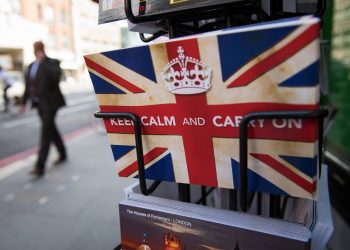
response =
{"points": [[76, 205], [73, 207]]}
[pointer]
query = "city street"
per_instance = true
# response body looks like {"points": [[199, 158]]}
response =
{"points": [[19, 132], [75, 206]]}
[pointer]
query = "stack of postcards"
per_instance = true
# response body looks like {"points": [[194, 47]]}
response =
{"points": [[159, 222]]}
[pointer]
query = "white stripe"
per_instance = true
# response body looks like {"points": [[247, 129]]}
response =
{"points": [[109, 81], [173, 143], [295, 170], [157, 159], [265, 88], [16, 166], [226, 148], [148, 165], [26, 162], [269, 52], [35, 119], [278, 179], [124, 72], [154, 93]]}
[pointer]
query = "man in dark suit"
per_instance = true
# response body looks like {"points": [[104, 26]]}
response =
{"points": [[42, 88]]}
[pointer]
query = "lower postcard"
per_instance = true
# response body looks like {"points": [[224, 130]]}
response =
{"points": [[151, 229]]}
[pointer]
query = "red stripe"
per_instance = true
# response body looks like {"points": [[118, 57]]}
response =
{"points": [[4, 162], [276, 58], [151, 155], [115, 78], [181, 110], [197, 143], [16, 157], [279, 167]]}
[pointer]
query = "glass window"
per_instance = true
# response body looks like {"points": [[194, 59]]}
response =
{"points": [[63, 16], [40, 12], [49, 14], [52, 40], [65, 42]]}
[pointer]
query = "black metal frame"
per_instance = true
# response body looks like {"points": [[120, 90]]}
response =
{"points": [[243, 142], [155, 17], [152, 37], [225, 10], [139, 149]]}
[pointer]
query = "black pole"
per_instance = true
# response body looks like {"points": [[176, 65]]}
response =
{"points": [[276, 8], [275, 205], [259, 203], [204, 195], [233, 199]]}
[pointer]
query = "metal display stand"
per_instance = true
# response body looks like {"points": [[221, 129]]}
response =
{"points": [[245, 198], [243, 148], [187, 22]]}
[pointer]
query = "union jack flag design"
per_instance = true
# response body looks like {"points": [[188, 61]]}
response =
{"points": [[191, 93]]}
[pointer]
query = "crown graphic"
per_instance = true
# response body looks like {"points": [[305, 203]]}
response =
{"points": [[186, 75]]}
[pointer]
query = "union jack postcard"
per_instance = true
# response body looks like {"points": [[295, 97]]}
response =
{"points": [[190, 95]]}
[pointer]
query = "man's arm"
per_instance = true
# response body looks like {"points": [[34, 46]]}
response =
{"points": [[25, 95]]}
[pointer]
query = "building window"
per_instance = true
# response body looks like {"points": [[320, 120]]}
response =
{"points": [[65, 43], [40, 13], [63, 16], [16, 6], [49, 14], [13, 7], [52, 40]]}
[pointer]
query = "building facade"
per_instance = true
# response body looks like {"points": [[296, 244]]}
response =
{"points": [[68, 28], [89, 36], [17, 35]]}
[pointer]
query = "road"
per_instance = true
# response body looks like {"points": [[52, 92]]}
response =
{"points": [[20, 132], [75, 205]]}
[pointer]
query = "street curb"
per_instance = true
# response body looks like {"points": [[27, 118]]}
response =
{"points": [[9, 160]]}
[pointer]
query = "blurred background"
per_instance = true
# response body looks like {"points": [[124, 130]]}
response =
{"points": [[72, 208], [68, 28]]}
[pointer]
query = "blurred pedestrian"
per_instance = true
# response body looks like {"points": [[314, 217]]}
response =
{"points": [[42, 87], [6, 84]]}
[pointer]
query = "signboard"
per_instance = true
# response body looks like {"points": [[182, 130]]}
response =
{"points": [[191, 94]]}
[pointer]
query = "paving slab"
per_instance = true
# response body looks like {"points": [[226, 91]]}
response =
{"points": [[74, 207]]}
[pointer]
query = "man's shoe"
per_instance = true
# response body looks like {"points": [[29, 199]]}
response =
{"points": [[37, 172], [60, 160]]}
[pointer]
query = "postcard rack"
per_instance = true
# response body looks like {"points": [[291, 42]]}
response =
{"points": [[245, 198], [187, 22]]}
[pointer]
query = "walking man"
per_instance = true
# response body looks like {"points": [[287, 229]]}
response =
{"points": [[42, 87]]}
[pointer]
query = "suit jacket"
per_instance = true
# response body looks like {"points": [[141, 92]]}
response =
{"points": [[46, 85]]}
